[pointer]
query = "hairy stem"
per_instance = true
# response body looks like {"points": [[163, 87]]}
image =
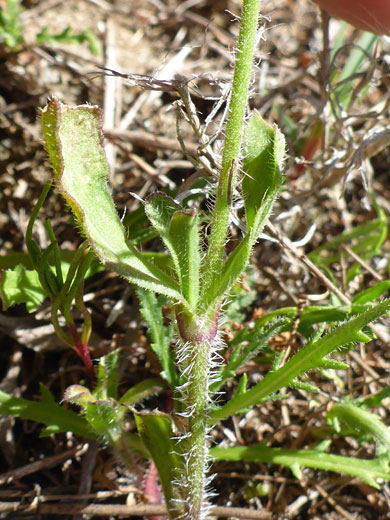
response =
{"points": [[232, 145], [196, 443]]}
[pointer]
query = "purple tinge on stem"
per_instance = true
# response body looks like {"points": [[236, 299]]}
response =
{"points": [[82, 350], [152, 489]]}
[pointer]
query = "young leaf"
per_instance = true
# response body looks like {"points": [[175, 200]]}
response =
{"points": [[160, 208], [368, 471], [365, 240], [74, 142], [141, 391], [155, 430], [19, 285], [48, 412], [257, 340], [180, 234], [161, 335], [104, 420], [310, 357], [363, 421], [184, 236], [372, 293], [107, 376], [264, 149]]}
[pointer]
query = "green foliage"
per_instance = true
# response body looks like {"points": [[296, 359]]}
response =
{"points": [[67, 36], [344, 81], [312, 356], [20, 285], [360, 421], [264, 150], [247, 344], [179, 231], [71, 133], [105, 412], [11, 31], [369, 471], [10, 28], [48, 412], [366, 240], [155, 430], [161, 336], [192, 276]]}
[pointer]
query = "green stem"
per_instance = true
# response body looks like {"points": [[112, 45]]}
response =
{"points": [[232, 146], [195, 445]]}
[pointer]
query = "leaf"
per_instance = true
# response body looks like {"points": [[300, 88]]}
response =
{"points": [[141, 391], [104, 419], [57, 418], [183, 234], [74, 141], [160, 208], [232, 269], [66, 36], [179, 231], [264, 149], [155, 430], [372, 293], [313, 315], [362, 421], [367, 241], [257, 340], [161, 335], [310, 357], [79, 395], [374, 399], [368, 471], [21, 285], [107, 376]]}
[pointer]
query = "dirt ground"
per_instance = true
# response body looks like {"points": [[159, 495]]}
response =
{"points": [[325, 195]]}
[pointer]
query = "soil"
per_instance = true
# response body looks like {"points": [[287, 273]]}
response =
{"points": [[326, 192]]}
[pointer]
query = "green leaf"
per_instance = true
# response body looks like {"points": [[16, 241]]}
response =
{"points": [[160, 208], [333, 364], [79, 395], [161, 335], [66, 36], [179, 231], [184, 236], [361, 421], [57, 418], [372, 293], [358, 55], [313, 315], [232, 269], [20, 285], [368, 471], [74, 141], [141, 391], [365, 240], [374, 399], [107, 376], [10, 28], [105, 421], [155, 430], [249, 343], [264, 149], [310, 357], [300, 385]]}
